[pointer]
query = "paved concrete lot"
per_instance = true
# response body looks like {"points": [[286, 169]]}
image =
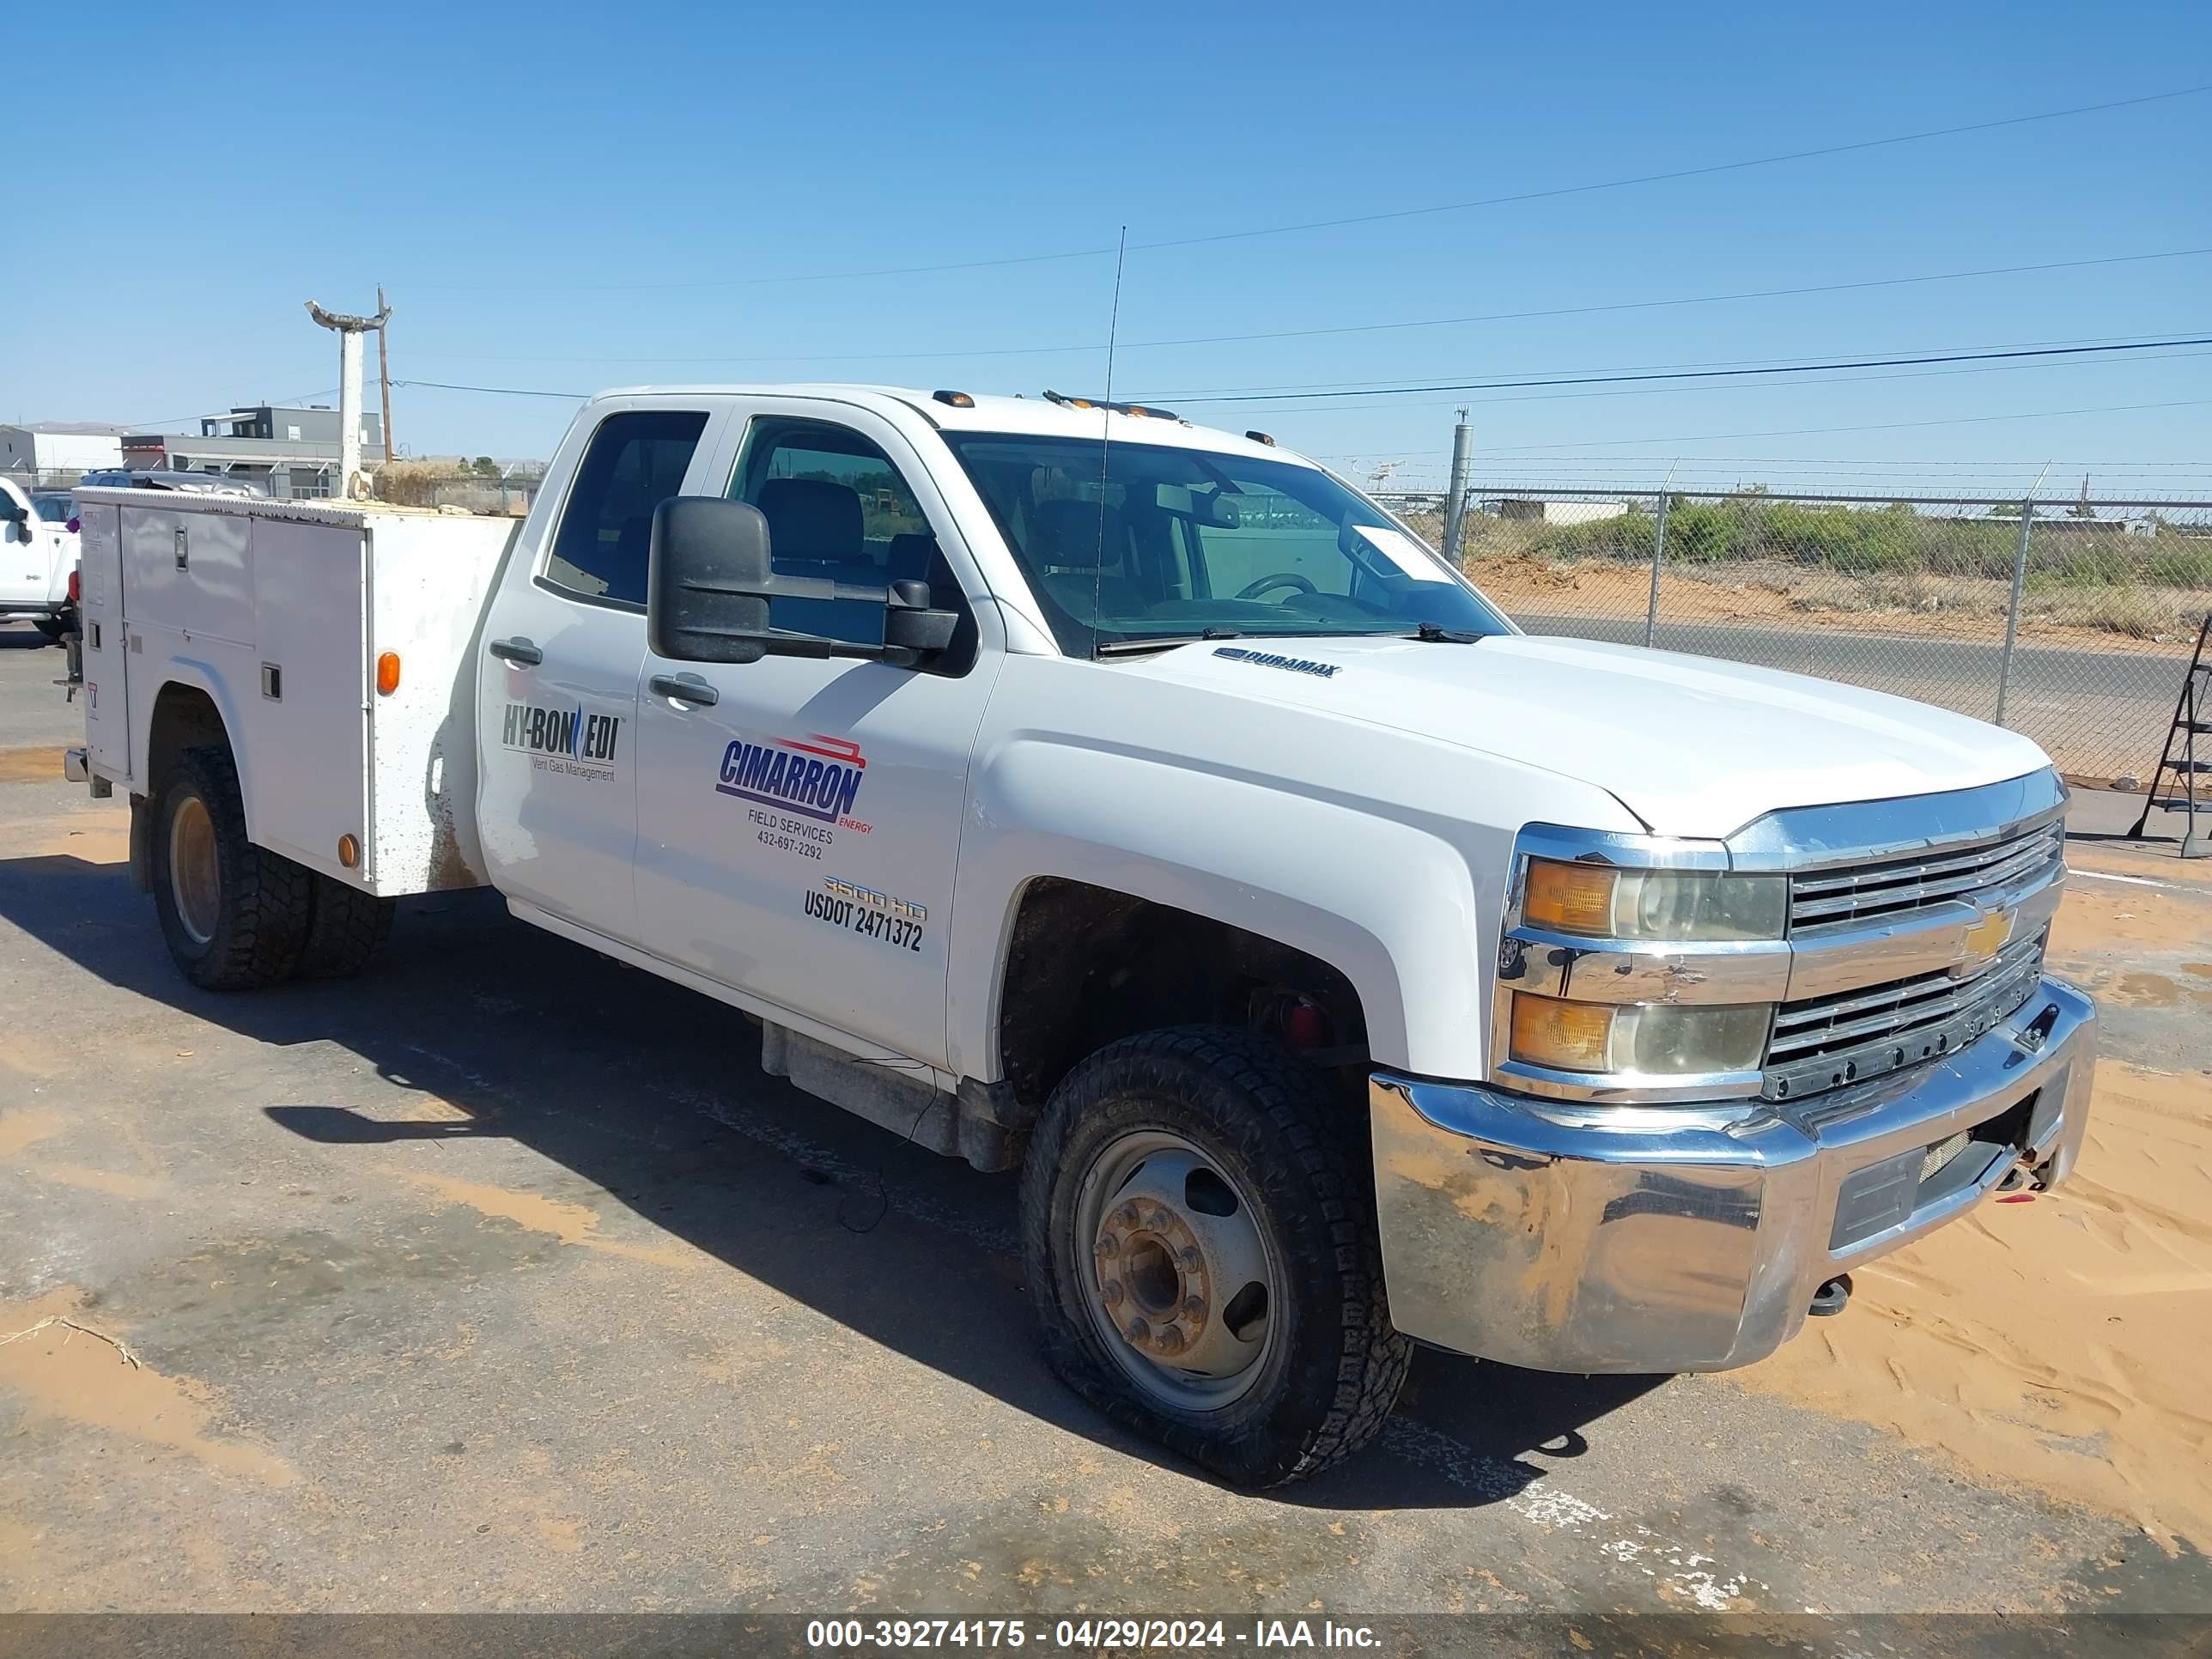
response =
{"points": [[499, 1277]]}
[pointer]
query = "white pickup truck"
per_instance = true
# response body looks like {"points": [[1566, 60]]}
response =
{"points": [[38, 557], [1071, 787]]}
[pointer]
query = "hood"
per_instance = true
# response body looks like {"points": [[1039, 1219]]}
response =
{"points": [[1691, 745]]}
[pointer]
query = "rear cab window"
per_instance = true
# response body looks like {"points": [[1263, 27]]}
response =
{"points": [[636, 461]]}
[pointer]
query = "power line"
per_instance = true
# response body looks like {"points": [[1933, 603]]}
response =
{"points": [[501, 391], [1352, 328], [1351, 387], [1676, 390], [1678, 374], [1679, 173], [1355, 219], [579, 397], [1885, 426]]}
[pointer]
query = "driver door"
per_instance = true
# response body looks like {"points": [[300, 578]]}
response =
{"points": [[25, 552], [799, 818]]}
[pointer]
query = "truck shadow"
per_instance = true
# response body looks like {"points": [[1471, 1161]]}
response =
{"points": [[653, 1096]]}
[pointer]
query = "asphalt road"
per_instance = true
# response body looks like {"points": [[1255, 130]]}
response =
{"points": [[33, 709], [2098, 712], [502, 1278]]}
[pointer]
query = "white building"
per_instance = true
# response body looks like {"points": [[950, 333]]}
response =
{"points": [[59, 446], [1544, 512]]}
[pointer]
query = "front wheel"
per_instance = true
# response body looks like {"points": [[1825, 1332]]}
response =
{"points": [[1198, 1235]]}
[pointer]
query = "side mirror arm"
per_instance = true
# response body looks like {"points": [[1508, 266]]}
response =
{"points": [[913, 630]]}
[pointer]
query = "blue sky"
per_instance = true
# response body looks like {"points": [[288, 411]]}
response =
{"points": [[571, 198]]}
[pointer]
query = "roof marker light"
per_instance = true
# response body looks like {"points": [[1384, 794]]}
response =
{"points": [[1260, 438], [954, 399]]}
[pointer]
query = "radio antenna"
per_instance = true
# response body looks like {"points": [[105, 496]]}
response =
{"points": [[1106, 439]]}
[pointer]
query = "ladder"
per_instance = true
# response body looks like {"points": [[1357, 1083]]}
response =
{"points": [[2192, 719]]}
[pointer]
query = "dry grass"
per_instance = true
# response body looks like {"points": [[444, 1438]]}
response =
{"points": [[413, 484], [2163, 617]]}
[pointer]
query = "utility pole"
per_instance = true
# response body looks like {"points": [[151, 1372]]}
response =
{"points": [[384, 371], [1456, 507], [352, 485]]}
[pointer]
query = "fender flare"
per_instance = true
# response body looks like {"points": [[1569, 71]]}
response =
{"points": [[1084, 816], [201, 676]]}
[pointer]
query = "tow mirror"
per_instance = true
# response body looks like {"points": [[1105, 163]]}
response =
{"points": [[708, 580], [711, 577]]}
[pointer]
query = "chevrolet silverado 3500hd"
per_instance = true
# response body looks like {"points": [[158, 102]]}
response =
{"points": [[1070, 786]]}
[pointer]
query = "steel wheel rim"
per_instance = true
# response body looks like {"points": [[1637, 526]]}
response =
{"points": [[1199, 1346], [195, 875]]}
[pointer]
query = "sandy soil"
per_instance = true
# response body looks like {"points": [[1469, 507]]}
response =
{"points": [[35, 765], [2065, 1339], [1603, 588], [53, 1355]]}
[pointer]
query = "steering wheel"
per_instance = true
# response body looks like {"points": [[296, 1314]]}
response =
{"points": [[1280, 579]]}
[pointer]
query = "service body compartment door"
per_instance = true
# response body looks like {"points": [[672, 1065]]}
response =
{"points": [[107, 653], [305, 709]]}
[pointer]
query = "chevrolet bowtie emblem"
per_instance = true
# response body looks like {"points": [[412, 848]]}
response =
{"points": [[1987, 937]]}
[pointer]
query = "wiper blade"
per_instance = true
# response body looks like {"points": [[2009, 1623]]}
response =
{"points": [[1163, 642], [1436, 635], [1148, 642]]}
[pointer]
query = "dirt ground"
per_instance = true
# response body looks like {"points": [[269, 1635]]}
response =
{"points": [[1612, 589], [501, 1278]]}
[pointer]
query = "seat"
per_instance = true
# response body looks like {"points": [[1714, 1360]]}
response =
{"points": [[814, 528], [1076, 546]]}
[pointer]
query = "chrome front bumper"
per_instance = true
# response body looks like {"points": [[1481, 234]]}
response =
{"points": [[1573, 1237]]}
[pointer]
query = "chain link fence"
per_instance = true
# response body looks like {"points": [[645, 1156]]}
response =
{"points": [[2071, 621]]}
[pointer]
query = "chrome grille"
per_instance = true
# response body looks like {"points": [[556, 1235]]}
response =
{"points": [[1823, 1042], [1829, 900]]}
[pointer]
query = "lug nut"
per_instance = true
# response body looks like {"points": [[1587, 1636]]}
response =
{"points": [[1109, 1244], [1188, 1256], [1171, 1341], [1138, 1331], [1193, 1307], [1113, 1293]]}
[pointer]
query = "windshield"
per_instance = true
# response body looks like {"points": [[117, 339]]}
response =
{"points": [[1141, 542], [55, 509]]}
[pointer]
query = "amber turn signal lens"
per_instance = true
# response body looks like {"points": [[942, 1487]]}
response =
{"points": [[388, 672], [349, 851], [1570, 898], [1567, 1036]]}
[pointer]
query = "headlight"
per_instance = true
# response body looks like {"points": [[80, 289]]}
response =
{"points": [[1598, 901], [1652, 1039]]}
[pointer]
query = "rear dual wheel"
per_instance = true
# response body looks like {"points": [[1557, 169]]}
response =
{"points": [[238, 916], [1201, 1252]]}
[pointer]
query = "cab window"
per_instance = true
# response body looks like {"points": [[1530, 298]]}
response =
{"points": [[838, 509], [635, 461]]}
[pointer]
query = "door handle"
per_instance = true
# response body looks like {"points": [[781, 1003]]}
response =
{"points": [[519, 651], [688, 688]]}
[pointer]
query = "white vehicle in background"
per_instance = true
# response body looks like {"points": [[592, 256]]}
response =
{"points": [[38, 556], [1069, 788]]}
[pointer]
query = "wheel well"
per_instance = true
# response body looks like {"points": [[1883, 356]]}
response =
{"points": [[183, 716], [1088, 965]]}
